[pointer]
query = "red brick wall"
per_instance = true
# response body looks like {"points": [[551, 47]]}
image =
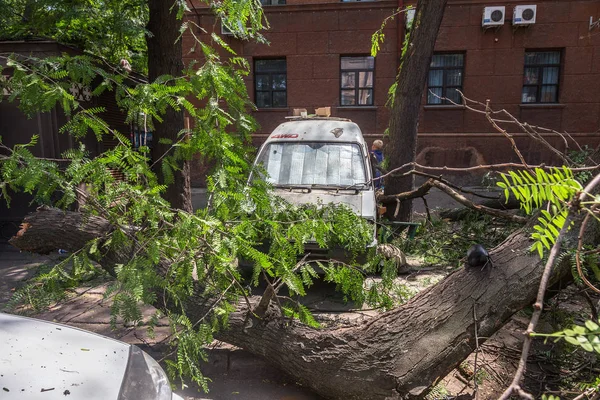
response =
{"points": [[312, 34], [494, 70]]}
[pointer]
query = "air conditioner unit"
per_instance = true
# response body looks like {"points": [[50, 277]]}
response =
{"points": [[524, 15], [493, 16]]}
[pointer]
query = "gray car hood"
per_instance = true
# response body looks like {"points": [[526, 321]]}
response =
{"points": [[43, 360]]}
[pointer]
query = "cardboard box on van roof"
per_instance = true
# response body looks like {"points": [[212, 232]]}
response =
{"points": [[297, 112], [323, 111]]}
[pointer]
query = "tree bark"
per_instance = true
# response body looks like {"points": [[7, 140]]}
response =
{"points": [[399, 354], [414, 69], [165, 58]]}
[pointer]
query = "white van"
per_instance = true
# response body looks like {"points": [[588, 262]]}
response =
{"points": [[318, 158]]}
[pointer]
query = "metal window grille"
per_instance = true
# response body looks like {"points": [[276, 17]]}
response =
{"points": [[270, 83], [541, 77], [357, 77], [446, 73]]}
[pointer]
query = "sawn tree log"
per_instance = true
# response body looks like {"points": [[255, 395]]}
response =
{"points": [[398, 355]]}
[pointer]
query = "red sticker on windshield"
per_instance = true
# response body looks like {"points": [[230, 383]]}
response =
{"points": [[285, 136]]}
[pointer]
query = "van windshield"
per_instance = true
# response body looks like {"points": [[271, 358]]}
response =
{"points": [[313, 163]]}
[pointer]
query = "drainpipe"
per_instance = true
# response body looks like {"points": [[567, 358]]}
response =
{"points": [[401, 19]]}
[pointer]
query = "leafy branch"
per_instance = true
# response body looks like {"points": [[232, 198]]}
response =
{"points": [[554, 188], [587, 337]]}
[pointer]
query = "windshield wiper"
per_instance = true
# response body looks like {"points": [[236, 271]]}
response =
{"points": [[324, 186], [356, 185], [319, 186], [337, 188], [290, 187]]}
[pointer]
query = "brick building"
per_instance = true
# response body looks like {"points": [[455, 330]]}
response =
{"points": [[546, 73]]}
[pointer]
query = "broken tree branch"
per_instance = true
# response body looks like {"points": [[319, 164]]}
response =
{"points": [[537, 312], [487, 167], [398, 354], [513, 144], [543, 285], [579, 248], [453, 186], [491, 211], [424, 189]]}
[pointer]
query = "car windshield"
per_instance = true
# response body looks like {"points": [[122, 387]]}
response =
{"points": [[313, 163]]}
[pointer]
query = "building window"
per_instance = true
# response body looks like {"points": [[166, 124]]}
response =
{"points": [[445, 78], [540, 80], [357, 81], [270, 83], [272, 2]]}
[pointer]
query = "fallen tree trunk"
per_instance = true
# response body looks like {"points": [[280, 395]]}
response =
{"points": [[397, 355]]}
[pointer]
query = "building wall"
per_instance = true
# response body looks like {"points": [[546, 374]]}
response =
{"points": [[494, 65], [313, 34], [18, 128]]}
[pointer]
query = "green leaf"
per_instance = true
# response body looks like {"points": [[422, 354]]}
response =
{"points": [[572, 340], [545, 242], [585, 344], [592, 326], [579, 330], [94, 247]]}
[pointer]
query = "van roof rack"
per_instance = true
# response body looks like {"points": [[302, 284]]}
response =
{"points": [[295, 118]]}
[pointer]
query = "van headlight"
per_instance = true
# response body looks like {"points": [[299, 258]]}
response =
{"points": [[144, 378]]}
